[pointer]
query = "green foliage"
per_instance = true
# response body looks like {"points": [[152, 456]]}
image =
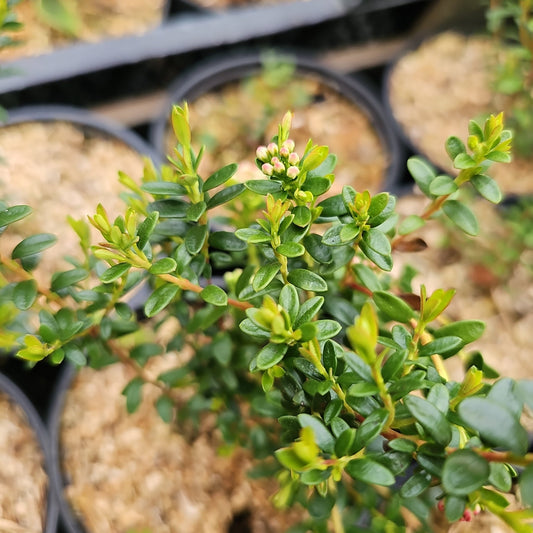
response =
{"points": [[308, 332]]}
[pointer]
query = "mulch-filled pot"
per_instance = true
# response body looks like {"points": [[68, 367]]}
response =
{"points": [[117, 472], [27, 503], [433, 91], [63, 161], [236, 103], [79, 20]]}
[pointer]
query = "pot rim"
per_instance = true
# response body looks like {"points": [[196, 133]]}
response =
{"points": [[42, 435], [218, 71]]}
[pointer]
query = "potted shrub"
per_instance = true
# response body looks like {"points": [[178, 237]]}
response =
{"points": [[328, 104], [428, 105], [309, 333], [27, 501], [45, 25]]}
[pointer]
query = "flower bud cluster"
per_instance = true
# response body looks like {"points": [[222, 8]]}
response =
{"points": [[279, 161]]}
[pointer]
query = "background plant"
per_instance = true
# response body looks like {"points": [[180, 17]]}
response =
{"points": [[308, 351]]}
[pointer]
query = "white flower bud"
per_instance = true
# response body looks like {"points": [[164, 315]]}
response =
{"points": [[294, 158], [292, 172], [272, 148], [289, 144], [279, 167], [267, 169], [284, 151], [262, 153]]}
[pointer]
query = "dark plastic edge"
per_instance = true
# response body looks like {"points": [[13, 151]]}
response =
{"points": [[15, 393], [57, 480], [218, 72]]}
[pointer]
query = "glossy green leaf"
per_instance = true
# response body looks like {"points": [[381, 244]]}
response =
{"points": [[265, 275], [307, 280], [454, 146], [402, 445], [33, 245], [431, 419], [115, 272], [500, 477], [253, 235], [142, 352], [323, 437], [378, 241], [25, 294], [146, 228], [163, 266], [439, 396], [74, 355], [270, 355], [291, 249], [344, 442], [62, 280], [290, 301], [464, 161], [499, 157], [441, 345], [369, 471], [392, 306], [454, 507], [464, 472], [326, 329], [333, 206], [422, 172], [195, 211], [214, 295], [133, 393], [461, 216], [195, 238], [302, 215], [225, 195], [165, 408], [160, 298], [526, 486], [220, 177], [172, 208], [494, 423], [415, 485], [410, 224], [163, 188], [14, 214], [371, 427], [382, 261], [226, 241], [442, 185], [263, 187]]}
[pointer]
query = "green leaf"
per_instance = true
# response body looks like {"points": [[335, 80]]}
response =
{"points": [[163, 188], [325, 168], [33, 245], [442, 185], [392, 306], [499, 157], [422, 172], [225, 195], [344, 442], [270, 355], [415, 485], [220, 176], [410, 224], [367, 277], [382, 261], [333, 206], [494, 423], [314, 158], [25, 294], [332, 410], [363, 389], [439, 396], [325, 329], [168, 208], [133, 393], [314, 477], [252, 235], [62, 280], [75, 355], [195, 239], [454, 146], [160, 298], [302, 215], [226, 241], [146, 228], [214, 295], [500, 477], [163, 266], [526, 486], [464, 472], [371, 427], [263, 187], [14, 214], [454, 507], [142, 352], [369, 471], [323, 437], [165, 408], [377, 240], [289, 459], [115, 272], [291, 249], [441, 345], [289, 300], [195, 211], [431, 419], [402, 445], [316, 186], [307, 280], [487, 187], [464, 161], [461, 216], [308, 310], [468, 330], [61, 16], [265, 275]]}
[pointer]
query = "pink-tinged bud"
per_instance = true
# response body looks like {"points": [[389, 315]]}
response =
{"points": [[467, 516], [275, 160], [272, 148], [279, 167], [289, 144], [294, 158], [262, 153], [284, 151], [440, 506], [267, 169], [292, 172]]}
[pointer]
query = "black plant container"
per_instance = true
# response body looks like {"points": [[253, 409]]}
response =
{"points": [[215, 73], [18, 397]]}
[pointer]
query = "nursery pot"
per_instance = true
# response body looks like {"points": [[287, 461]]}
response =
{"points": [[215, 75], [64, 161], [18, 398]]}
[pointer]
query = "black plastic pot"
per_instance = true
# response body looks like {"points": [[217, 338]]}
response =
{"points": [[19, 398], [216, 73]]}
